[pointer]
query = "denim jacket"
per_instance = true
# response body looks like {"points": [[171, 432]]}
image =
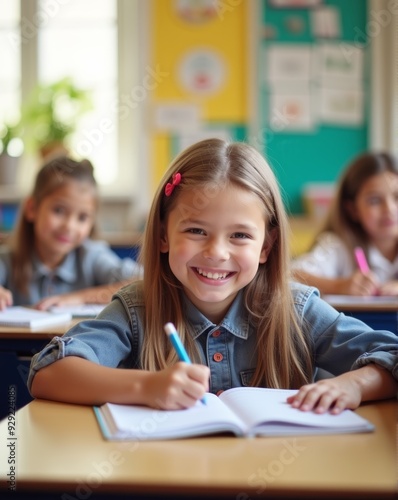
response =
{"points": [[340, 343], [93, 263]]}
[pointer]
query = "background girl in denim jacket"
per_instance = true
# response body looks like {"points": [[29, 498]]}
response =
{"points": [[216, 261], [51, 258]]}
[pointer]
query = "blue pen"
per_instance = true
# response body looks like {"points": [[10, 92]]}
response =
{"points": [[182, 354]]}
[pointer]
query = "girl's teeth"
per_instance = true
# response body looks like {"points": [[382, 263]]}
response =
{"points": [[212, 276]]}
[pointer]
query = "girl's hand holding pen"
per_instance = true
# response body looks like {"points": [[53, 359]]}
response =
{"points": [[358, 283], [364, 284], [177, 387]]}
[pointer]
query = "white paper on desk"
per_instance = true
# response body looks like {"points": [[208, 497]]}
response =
{"points": [[79, 311], [26, 317]]}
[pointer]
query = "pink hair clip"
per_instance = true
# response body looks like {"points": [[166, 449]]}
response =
{"points": [[170, 186]]}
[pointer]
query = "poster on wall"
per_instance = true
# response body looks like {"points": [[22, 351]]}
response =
{"points": [[326, 22], [341, 67], [202, 72], [342, 106], [288, 62], [197, 11], [176, 117], [290, 110]]}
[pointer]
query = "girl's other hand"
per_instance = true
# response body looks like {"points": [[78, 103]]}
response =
{"points": [[67, 299], [389, 288], [177, 387], [334, 395], [346, 391], [5, 298]]}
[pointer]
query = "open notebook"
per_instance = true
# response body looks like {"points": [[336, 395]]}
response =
{"points": [[243, 411]]}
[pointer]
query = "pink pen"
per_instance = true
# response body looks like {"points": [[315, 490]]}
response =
{"points": [[361, 260]]}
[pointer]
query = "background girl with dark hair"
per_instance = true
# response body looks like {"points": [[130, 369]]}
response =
{"points": [[364, 213], [50, 258]]}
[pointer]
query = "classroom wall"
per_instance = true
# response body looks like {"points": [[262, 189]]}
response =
{"points": [[203, 54], [299, 155], [214, 80], [313, 145]]}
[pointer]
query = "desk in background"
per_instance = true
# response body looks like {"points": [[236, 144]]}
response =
{"points": [[17, 346], [380, 313], [60, 450]]}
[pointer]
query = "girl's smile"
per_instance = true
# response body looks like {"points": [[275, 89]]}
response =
{"points": [[215, 251], [210, 276]]}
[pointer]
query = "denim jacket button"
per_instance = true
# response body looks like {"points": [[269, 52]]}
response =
{"points": [[218, 357], [217, 333]]}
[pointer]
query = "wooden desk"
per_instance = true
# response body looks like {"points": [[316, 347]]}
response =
{"points": [[17, 346], [380, 313], [59, 449]]}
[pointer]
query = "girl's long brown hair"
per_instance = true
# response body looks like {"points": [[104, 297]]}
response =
{"points": [[283, 356], [50, 177]]}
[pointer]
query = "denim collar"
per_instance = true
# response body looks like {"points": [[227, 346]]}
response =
{"points": [[235, 321], [66, 271]]}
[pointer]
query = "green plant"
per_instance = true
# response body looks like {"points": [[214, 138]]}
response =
{"points": [[10, 139], [52, 112]]}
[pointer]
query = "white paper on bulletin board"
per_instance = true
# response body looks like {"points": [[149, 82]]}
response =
{"points": [[291, 109], [342, 106], [177, 117], [326, 22], [288, 62], [342, 64]]}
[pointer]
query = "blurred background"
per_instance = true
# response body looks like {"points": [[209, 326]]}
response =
{"points": [[129, 83]]}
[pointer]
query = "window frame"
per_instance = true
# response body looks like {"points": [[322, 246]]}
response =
{"points": [[132, 183]]}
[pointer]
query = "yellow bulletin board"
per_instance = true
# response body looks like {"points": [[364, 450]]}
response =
{"points": [[183, 32]]}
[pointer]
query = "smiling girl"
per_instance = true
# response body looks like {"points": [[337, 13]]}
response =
{"points": [[216, 264], [364, 213], [51, 258]]}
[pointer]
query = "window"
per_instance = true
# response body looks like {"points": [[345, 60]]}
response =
{"points": [[94, 42], [382, 30], [10, 55]]}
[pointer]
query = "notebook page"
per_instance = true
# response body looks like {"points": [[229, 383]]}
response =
{"points": [[140, 422], [257, 405]]}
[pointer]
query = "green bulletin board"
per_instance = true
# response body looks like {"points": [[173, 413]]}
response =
{"points": [[319, 154]]}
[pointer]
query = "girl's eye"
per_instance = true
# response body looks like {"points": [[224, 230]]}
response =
{"points": [[374, 200], [83, 218], [59, 210], [240, 236], [195, 230]]}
